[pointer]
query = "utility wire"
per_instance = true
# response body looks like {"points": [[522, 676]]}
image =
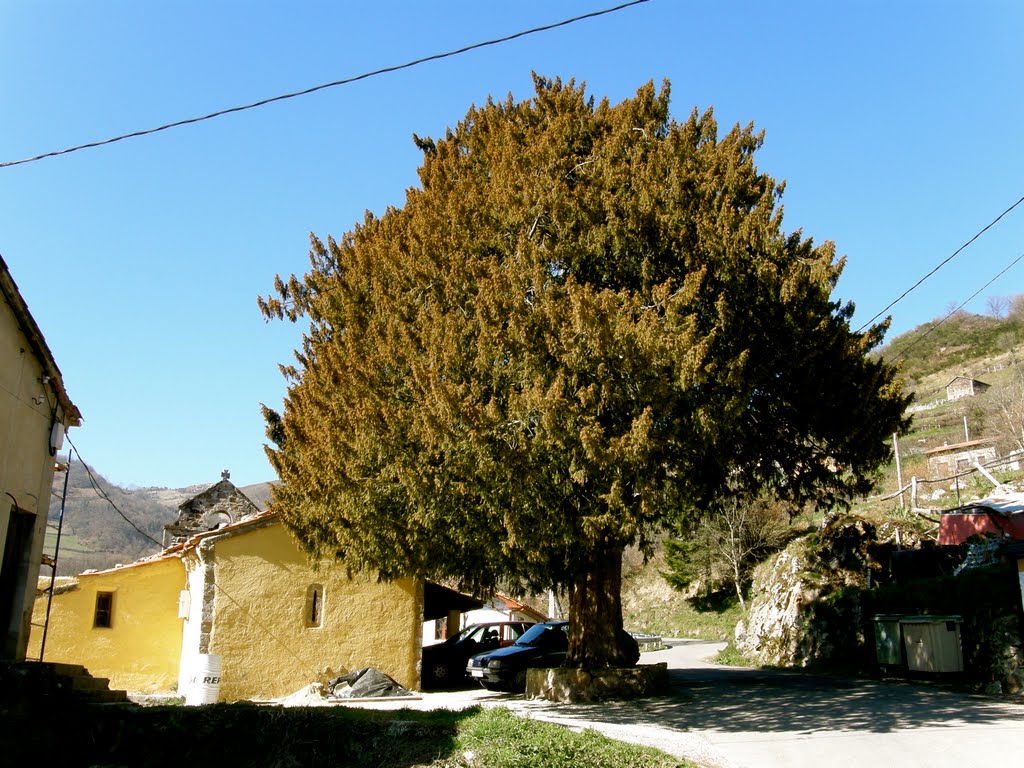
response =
{"points": [[919, 338], [942, 264], [324, 86], [103, 495], [100, 491], [304, 662]]}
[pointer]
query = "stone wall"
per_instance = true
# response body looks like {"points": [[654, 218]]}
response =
{"points": [[580, 685]]}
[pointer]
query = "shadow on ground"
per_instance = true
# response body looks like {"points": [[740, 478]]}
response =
{"points": [[740, 700]]}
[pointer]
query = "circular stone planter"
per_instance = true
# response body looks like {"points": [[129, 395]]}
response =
{"points": [[569, 685]]}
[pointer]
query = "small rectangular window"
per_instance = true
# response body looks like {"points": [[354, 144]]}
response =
{"points": [[314, 606], [104, 615]]}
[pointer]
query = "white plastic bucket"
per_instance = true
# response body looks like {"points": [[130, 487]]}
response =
{"points": [[204, 682]]}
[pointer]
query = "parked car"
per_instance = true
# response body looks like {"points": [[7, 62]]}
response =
{"points": [[445, 663], [543, 645]]}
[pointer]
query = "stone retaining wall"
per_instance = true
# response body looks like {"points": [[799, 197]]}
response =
{"points": [[579, 685]]}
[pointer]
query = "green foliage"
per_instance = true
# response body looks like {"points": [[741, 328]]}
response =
{"points": [[705, 620], [730, 656], [499, 739], [721, 546], [954, 343], [583, 321]]}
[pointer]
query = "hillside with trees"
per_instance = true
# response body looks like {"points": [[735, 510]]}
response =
{"points": [[988, 348], [716, 557], [94, 534], [106, 524]]}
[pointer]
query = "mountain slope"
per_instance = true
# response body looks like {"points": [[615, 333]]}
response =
{"points": [[105, 524]]}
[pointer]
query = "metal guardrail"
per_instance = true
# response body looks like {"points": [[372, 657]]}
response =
{"points": [[648, 642]]}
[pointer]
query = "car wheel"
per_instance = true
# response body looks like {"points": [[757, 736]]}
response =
{"points": [[439, 672], [519, 681]]}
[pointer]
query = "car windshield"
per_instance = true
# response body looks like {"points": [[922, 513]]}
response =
{"points": [[534, 633], [465, 634]]}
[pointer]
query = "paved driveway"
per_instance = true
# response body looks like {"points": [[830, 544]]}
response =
{"points": [[740, 718]]}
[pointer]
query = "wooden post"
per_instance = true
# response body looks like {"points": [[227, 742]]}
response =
{"points": [[452, 625], [899, 469]]}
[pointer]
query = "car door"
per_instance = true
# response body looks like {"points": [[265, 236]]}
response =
{"points": [[553, 645]]}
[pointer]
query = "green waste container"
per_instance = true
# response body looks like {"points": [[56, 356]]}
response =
{"points": [[888, 640]]}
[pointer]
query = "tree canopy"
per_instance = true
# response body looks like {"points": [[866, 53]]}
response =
{"points": [[583, 322]]}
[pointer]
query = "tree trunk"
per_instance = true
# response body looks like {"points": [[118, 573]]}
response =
{"points": [[595, 613], [739, 585]]}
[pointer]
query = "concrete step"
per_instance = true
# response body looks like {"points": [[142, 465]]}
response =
{"points": [[66, 670], [89, 683], [47, 679], [105, 696]]}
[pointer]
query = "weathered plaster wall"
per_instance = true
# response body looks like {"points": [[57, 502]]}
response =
{"points": [[26, 467], [194, 640], [262, 582], [140, 651]]}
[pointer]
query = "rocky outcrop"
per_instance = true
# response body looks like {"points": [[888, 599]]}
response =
{"points": [[773, 631], [805, 609], [812, 604]]}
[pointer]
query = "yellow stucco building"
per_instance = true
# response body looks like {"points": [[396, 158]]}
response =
{"points": [[34, 413], [242, 592]]}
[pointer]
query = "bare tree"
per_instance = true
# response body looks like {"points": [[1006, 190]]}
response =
{"points": [[997, 306], [728, 542], [1009, 401]]}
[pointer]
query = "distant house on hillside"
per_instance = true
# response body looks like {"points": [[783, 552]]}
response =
{"points": [[949, 460], [35, 411], [962, 386]]}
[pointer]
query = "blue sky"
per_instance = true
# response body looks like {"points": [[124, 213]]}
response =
{"points": [[895, 124]]}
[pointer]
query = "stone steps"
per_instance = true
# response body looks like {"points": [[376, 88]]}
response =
{"points": [[35, 679]]}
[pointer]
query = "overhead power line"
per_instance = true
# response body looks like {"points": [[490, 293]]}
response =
{"points": [[943, 263], [919, 338], [105, 497], [324, 86]]}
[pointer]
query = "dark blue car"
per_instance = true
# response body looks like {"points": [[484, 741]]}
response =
{"points": [[542, 645]]}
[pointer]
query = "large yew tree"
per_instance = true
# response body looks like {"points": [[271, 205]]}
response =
{"points": [[584, 321]]}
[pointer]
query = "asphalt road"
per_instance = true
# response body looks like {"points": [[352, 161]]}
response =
{"points": [[740, 718]]}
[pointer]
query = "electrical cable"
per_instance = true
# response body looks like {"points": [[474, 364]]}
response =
{"points": [[917, 339], [944, 262], [324, 86], [100, 491], [104, 495], [304, 662]]}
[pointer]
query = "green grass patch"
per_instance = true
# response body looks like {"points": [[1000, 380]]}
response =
{"points": [[247, 735], [731, 657], [683, 619], [68, 541], [496, 738]]}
